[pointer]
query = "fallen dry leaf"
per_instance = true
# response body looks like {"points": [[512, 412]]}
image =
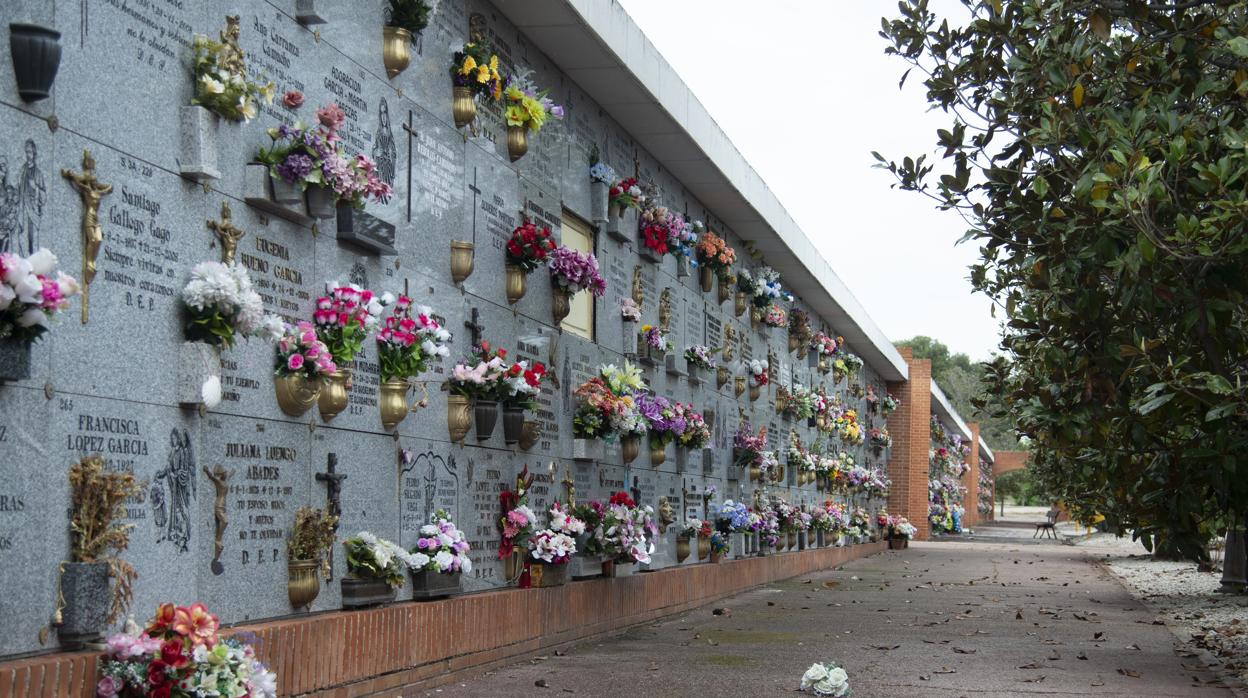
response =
{"points": [[1128, 672], [963, 650]]}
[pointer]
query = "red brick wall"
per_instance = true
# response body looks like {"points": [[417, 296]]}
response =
{"points": [[910, 427], [398, 648], [971, 480]]}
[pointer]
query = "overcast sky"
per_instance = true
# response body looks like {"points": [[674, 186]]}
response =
{"points": [[893, 249]]}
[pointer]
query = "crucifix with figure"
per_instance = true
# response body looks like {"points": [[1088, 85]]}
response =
{"points": [[333, 484], [475, 327]]}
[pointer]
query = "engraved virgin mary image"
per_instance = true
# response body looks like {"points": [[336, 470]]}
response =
{"points": [[21, 203], [384, 151], [173, 490]]}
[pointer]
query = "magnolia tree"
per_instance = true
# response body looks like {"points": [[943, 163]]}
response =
{"points": [[1096, 149]]}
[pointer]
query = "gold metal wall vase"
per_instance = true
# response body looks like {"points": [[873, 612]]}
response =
{"points": [[682, 548], [561, 304], [517, 142], [392, 402], [706, 278], [630, 446], [296, 393], [462, 257], [458, 417], [515, 283], [396, 49], [303, 583], [463, 106], [333, 397]]}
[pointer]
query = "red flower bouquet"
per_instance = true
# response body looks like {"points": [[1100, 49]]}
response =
{"points": [[529, 246]]}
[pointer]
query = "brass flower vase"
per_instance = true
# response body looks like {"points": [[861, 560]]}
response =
{"points": [[756, 317], [392, 402], [462, 254], [296, 393], [725, 288], [517, 142], [630, 446], [722, 374], [755, 392], [658, 454], [739, 303], [515, 283], [463, 106], [561, 304], [303, 584], [704, 547], [396, 49], [682, 549], [706, 277], [738, 386], [756, 473], [333, 397], [458, 417], [529, 434], [794, 343]]}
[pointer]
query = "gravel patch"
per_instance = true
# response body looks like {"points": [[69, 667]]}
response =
{"points": [[1185, 597]]}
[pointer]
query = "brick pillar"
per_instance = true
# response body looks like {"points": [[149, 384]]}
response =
{"points": [[910, 427], [971, 480]]}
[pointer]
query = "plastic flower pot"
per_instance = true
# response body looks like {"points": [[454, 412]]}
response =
{"points": [[485, 416], [199, 143], [361, 592], [320, 200], [434, 585], [458, 417], [36, 53], [85, 587], [513, 424], [598, 192], [14, 360], [704, 547], [542, 575]]}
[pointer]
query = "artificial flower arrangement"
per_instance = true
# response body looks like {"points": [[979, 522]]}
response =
{"points": [[774, 316], [529, 246], [606, 408], [221, 83], [820, 520], [762, 286], [758, 372], [345, 317], [300, 353], [221, 304], [521, 384], [714, 253], [799, 329], [515, 525], [746, 445], [800, 458], [798, 403], [601, 172], [409, 339], [30, 296], [629, 311], [769, 526], [663, 231], [665, 419], [441, 547], [692, 528], [572, 271], [732, 517], [826, 679], [626, 530], [311, 536], [889, 404], [699, 356], [180, 653], [697, 433], [480, 377], [476, 67], [684, 240], [370, 557], [312, 156], [845, 364], [879, 437], [626, 193], [655, 338], [848, 428], [767, 463], [527, 106], [823, 344], [786, 514], [556, 544]]}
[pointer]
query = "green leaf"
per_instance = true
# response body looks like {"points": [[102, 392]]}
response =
{"points": [[1155, 403], [1147, 249], [1238, 46]]}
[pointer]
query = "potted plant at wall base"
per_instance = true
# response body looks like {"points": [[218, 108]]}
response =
{"points": [[572, 272], [36, 53], [601, 176], [527, 109], [438, 558], [87, 602], [479, 379], [343, 319], [515, 527], [303, 362], [900, 531], [625, 199], [222, 90], [36, 293], [310, 539], [375, 570], [474, 73], [406, 19], [408, 341], [519, 389], [528, 248]]}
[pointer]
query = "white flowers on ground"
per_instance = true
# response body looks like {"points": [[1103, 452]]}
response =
{"points": [[826, 679]]}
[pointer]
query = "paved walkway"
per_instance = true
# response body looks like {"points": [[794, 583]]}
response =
{"points": [[940, 619]]}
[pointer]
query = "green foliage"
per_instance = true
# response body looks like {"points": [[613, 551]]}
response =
{"points": [[963, 383], [1097, 152], [412, 15]]}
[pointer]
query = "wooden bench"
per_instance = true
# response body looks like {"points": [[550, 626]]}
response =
{"points": [[1049, 526]]}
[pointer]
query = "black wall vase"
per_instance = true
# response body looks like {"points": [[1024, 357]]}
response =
{"points": [[36, 55]]}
